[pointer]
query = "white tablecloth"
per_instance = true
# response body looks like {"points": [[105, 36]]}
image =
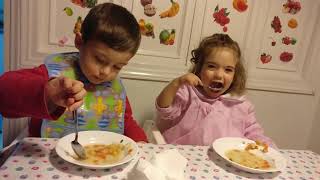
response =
{"points": [[35, 158]]}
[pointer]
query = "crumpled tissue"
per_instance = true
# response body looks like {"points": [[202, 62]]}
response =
{"points": [[167, 165]]}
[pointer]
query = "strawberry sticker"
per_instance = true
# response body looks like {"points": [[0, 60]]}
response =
{"points": [[286, 56], [276, 24], [221, 17], [264, 58], [289, 40]]}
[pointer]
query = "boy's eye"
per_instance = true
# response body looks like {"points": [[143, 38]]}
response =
{"points": [[118, 67], [99, 60]]}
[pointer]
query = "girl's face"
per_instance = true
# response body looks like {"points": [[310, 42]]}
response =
{"points": [[218, 71], [99, 63]]}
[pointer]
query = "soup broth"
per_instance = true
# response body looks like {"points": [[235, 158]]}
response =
{"points": [[105, 154]]}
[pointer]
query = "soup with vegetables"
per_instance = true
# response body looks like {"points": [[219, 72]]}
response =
{"points": [[99, 154]]}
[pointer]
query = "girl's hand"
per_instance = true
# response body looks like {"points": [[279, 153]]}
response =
{"points": [[190, 79], [64, 92]]}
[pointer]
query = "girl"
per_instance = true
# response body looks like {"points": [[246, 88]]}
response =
{"points": [[208, 103]]}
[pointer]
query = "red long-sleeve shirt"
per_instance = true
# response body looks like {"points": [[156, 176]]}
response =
{"points": [[22, 94]]}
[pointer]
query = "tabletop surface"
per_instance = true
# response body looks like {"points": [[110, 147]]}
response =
{"points": [[35, 158]]}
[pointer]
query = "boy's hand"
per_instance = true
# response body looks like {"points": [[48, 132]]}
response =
{"points": [[64, 92], [190, 79]]}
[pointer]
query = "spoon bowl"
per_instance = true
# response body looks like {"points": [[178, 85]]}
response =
{"points": [[76, 146]]}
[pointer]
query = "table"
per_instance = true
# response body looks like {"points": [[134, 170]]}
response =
{"points": [[35, 158]]}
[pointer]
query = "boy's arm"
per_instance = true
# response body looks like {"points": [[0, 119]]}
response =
{"points": [[131, 128], [22, 94]]}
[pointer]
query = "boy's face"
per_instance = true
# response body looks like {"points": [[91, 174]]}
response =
{"points": [[218, 71], [98, 62]]}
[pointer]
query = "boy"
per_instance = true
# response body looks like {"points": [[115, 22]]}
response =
{"points": [[109, 38]]}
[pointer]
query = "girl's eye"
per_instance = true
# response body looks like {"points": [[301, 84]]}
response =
{"points": [[211, 66], [229, 70]]}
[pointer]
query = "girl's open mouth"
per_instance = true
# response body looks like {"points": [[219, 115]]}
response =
{"points": [[216, 86]]}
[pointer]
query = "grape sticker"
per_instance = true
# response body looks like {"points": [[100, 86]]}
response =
{"points": [[276, 24], [85, 3], [221, 17], [291, 6]]}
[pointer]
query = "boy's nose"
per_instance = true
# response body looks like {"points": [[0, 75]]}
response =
{"points": [[105, 71]]}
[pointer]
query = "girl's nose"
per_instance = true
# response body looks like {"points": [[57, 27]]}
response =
{"points": [[218, 74]]}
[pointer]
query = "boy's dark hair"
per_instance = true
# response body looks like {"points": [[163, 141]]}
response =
{"points": [[209, 44], [113, 25]]}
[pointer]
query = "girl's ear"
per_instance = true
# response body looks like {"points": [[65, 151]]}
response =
{"points": [[78, 40]]}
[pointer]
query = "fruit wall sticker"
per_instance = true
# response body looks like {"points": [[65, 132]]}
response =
{"points": [[221, 17], [291, 6], [172, 11], [276, 24], [85, 3], [149, 9], [286, 56], [63, 41], [265, 58], [289, 40], [240, 5], [146, 28], [145, 2], [292, 23], [77, 25], [68, 11], [166, 37]]}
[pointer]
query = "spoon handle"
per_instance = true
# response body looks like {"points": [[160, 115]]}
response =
{"points": [[75, 118]]}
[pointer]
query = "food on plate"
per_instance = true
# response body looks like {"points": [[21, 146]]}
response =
{"points": [[257, 145], [98, 154], [248, 159]]}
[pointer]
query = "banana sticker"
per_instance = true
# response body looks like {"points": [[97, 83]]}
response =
{"points": [[172, 11]]}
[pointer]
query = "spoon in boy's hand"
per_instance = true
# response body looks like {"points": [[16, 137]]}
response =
{"points": [[76, 146]]}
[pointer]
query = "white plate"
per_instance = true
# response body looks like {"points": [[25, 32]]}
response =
{"points": [[64, 149], [224, 144]]}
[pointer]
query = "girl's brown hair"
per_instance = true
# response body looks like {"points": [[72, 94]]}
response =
{"points": [[206, 46]]}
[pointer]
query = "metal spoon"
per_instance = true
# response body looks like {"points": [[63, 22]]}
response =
{"points": [[76, 146]]}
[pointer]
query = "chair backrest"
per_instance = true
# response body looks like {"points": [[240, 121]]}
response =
{"points": [[153, 133]]}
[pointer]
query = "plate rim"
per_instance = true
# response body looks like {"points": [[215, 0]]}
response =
{"points": [[245, 168], [60, 151]]}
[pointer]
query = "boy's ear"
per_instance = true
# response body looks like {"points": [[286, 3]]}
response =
{"points": [[78, 40]]}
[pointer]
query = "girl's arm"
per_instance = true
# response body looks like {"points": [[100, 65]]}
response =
{"points": [[167, 95], [254, 131]]}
